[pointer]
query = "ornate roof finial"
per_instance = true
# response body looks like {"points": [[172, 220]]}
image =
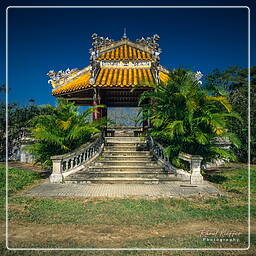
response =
{"points": [[124, 35]]}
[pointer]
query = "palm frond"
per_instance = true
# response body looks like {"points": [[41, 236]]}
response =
{"points": [[222, 100]]}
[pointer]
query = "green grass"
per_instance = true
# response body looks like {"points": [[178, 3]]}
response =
{"points": [[142, 213], [138, 212], [17, 180], [126, 212]]}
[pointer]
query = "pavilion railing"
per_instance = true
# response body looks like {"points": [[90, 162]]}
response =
{"points": [[64, 165], [158, 152], [194, 174]]}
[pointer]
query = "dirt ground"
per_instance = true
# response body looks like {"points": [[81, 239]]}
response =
{"points": [[111, 236]]}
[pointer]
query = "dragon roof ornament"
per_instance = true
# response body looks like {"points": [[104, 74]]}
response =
{"points": [[99, 41], [149, 41], [56, 76]]}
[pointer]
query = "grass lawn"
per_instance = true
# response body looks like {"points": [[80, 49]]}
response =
{"points": [[126, 223]]}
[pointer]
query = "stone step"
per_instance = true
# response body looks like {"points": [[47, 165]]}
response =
{"points": [[125, 169], [125, 163], [125, 139], [123, 148], [126, 153], [125, 158], [125, 144], [124, 180], [116, 174]]}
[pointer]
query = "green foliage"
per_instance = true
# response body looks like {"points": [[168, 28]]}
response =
{"points": [[18, 117], [63, 130], [234, 82], [186, 118]]}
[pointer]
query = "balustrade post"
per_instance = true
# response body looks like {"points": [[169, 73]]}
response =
{"points": [[66, 164], [196, 176], [56, 176]]}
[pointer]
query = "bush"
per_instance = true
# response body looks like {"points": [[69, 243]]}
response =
{"points": [[63, 130]]}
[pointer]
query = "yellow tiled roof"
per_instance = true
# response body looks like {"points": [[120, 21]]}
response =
{"points": [[75, 85], [125, 52], [110, 77], [124, 77]]}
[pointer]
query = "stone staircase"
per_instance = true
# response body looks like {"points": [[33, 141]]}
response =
{"points": [[125, 159]]}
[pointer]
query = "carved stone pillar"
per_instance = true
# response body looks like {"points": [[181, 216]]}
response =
{"points": [[56, 176], [196, 176], [25, 155]]}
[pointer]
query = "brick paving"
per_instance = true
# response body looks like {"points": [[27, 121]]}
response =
{"points": [[175, 189]]}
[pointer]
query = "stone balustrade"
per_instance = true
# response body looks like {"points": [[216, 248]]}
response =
{"points": [[194, 175], [64, 165], [158, 152], [195, 167]]}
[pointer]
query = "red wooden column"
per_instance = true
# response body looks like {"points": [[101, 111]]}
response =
{"points": [[96, 101], [100, 112]]}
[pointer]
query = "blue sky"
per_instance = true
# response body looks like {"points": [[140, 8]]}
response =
{"points": [[44, 39]]}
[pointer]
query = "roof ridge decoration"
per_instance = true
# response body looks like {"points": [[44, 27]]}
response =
{"points": [[150, 41], [60, 78], [101, 44], [57, 77], [122, 43], [163, 69], [124, 35], [98, 43]]}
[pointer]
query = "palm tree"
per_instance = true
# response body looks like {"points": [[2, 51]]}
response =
{"points": [[61, 131], [185, 118]]}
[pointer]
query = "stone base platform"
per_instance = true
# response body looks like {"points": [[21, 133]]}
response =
{"points": [[175, 189]]}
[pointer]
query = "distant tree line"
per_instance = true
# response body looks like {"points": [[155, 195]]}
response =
{"points": [[233, 82], [18, 119]]}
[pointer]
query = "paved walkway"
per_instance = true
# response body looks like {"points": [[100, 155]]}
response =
{"points": [[175, 189]]}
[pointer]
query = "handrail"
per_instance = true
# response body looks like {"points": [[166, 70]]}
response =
{"points": [[194, 160], [158, 152], [75, 159]]}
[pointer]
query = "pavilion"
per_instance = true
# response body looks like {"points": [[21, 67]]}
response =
{"points": [[115, 68]]}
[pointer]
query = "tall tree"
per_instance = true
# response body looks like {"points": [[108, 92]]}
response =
{"points": [[186, 118]]}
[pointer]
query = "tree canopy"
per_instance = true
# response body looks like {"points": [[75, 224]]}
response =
{"points": [[233, 82], [185, 117], [63, 130]]}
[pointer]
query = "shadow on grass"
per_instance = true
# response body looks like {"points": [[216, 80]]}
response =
{"points": [[44, 174], [217, 178], [235, 191]]}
